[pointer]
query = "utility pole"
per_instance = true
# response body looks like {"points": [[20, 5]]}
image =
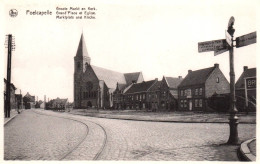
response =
{"points": [[221, 46], [10, 48]]}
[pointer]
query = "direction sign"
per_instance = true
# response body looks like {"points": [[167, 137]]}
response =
{"points": [[245, 40], [228, 38], [212, 45], [217, 52]]}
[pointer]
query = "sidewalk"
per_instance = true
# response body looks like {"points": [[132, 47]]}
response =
{"points": [[248, 150], [13, 114], [189, 117]]}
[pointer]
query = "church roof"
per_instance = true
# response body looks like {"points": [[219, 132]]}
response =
{"points": [[82, 49], [110, 77], [197, 77], [247, 73]]}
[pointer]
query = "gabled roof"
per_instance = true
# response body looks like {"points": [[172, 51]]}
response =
{"points": [[247, 73], [173, 82], [140, 87], [60, 101], [29, 97], [197, 77], [120, 86], [156, 86], [130, 77], [110, 77], [174, 94], [82, 49]]}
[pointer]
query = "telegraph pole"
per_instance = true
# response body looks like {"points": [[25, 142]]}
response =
{"points": [[10, 48]]}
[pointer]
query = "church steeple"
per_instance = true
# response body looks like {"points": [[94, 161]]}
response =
{"points": [[82, 49], [82, 59]]}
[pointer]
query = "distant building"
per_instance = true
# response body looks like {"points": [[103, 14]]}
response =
{"points": [[153, 96], [169, 93], [94, 86], [59, 104], [251, 92], [199, 85], [29, 101]]}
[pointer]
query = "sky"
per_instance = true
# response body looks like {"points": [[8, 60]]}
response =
{"points": [[158, 38]]}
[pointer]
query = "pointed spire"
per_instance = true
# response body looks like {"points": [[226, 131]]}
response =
{"points": [[82, 49]]}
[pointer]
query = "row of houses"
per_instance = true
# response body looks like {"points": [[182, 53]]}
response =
{"points": [[102, 88]]}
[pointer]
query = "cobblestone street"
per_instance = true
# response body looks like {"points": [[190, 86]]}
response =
{"points": [[36, 136]]}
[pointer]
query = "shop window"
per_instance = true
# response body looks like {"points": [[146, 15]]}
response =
{"points": [[182, 103], [185, 103]]}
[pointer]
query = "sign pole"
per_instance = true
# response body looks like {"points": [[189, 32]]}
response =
{"points": [[246, 92], [233, 119]]}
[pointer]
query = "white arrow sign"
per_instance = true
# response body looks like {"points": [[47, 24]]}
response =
{"points": [[228, 38]]}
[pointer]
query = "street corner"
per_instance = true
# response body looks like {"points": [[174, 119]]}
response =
{"points": [[247, 150]]}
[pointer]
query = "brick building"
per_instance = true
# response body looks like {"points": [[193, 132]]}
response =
{"points": [[94, 86], [240, 91], [169, 93], [199, 85], [136, 95], [29, 101], [13, 104]]}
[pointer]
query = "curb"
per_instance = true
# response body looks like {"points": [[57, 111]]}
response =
{"points": [[244, 151], [166, 121], [12, 118]]}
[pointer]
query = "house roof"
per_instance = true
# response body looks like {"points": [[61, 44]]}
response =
{"points": [[197, 77], [174, 94], [247, 73], [130, 77], [140, 87], [82, 49], [29, 97], [173, 82], [156, 86], [12, 85], [110, 77], [60, 101]]}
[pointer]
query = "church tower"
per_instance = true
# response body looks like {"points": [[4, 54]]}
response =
{"points": [[81, 61]]}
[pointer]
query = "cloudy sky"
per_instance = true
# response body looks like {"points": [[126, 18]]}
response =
{"points": [[159, 38]]}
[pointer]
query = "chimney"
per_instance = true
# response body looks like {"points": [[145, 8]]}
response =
{"points": [[180, 77], [245, 68], [216, 65], [189, 71]]}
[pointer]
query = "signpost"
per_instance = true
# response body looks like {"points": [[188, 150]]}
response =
{"points": [[221, 46], [246, 40]]}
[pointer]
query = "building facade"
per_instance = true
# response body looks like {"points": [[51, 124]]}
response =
{"points": [[94, 86], [241, 91], [199, 85], [13, 103], [168, 94]]}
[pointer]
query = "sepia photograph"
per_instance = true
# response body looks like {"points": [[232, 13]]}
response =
{"points": [[133, 80]]}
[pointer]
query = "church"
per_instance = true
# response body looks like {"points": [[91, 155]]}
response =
{"points": [[93, 85]]}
